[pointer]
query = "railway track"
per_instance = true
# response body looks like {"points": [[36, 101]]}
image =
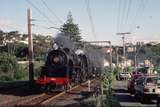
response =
{"points": [[47, 99], [33, 101]]}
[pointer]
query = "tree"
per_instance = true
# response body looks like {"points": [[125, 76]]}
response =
{"points": [[41, 45], [70, 29], [21, 50]]}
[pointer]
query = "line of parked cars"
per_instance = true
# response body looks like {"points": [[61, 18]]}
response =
{"points": [[145, 87]]}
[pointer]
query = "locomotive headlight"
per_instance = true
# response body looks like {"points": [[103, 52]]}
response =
{"points": [[56, 60]]}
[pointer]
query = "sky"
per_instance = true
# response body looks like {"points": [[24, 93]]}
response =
{"points": [[139, 17]]}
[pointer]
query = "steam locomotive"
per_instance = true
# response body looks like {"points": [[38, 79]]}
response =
{"points": [[63, 67]]}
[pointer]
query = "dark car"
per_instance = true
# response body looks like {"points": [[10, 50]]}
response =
{"points": [[131, 82]]}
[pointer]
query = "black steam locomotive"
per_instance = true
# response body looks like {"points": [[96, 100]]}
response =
{"points": [[63, 67]]}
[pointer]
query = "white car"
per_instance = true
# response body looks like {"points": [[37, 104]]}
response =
{"points": [[147, 88], [125, 76]]}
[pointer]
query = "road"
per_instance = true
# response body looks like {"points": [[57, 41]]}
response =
{"points": [[125, 99]]}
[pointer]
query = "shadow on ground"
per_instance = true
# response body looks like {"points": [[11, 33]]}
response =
{"points": [[124, 97], [19, 88]]}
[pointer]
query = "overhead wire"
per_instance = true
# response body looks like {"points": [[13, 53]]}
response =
{"points": [[128, 11], [51, 11], [47, 28], [40, 12], [12, 28], [123, 15], [126, 20], [124, 12], [124, 8], [39, 26], [44, 28], [88, 8], [138, 14], [118, 15], [134, 7]]}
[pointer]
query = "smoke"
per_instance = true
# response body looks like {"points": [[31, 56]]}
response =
{"points": [[96, 56], [64, 41]]}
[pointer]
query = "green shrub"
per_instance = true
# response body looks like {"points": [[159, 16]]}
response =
{"points": [[107, 84], [107, 80], [9, 68]]}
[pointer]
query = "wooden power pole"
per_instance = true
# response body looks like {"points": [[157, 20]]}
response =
{"points": [[30, 46]]}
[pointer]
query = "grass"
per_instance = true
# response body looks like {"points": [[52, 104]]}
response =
{"points": [[23, 72]]}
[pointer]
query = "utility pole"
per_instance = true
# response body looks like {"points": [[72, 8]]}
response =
{"points": [[135, 58], [124, 50], [117, 63], [117, 57], [138, 46], [110, 46], [30, 47]]}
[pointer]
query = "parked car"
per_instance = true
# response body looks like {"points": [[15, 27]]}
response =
{"points": [[124, 76], [147, 88], [131, 83]]}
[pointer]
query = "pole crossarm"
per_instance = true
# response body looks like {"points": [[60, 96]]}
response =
{"points": [[90, 42], [55, 28], [123, 33], [99, 42], [93, 42]]}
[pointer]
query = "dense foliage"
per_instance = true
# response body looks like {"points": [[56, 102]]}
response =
{"points": [[41, 45], [14, 48], [151, 52], [16, 44]]}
